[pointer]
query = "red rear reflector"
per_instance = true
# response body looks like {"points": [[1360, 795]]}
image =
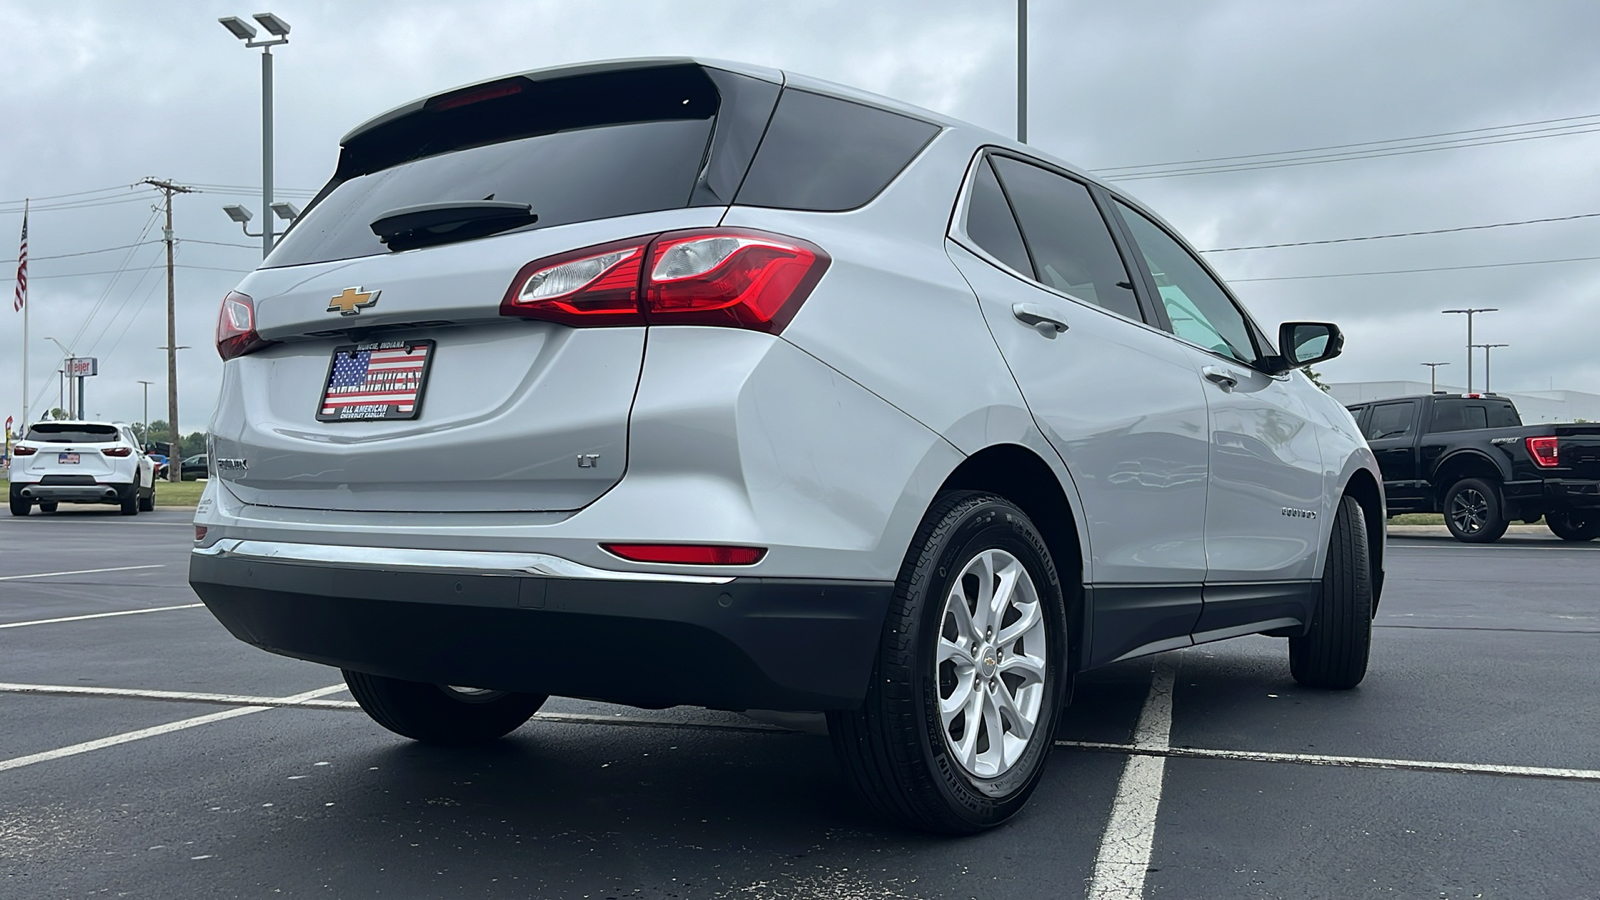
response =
{"points": [[200, 532], [20, 450], [688, 554], [1544, 451], [236, 327], [116, 451], [474, 95], [728, 276], [593, 286]]}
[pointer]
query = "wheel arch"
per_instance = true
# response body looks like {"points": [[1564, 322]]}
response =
{"points": [[1461, 464], [1020, 475], [1364, 489]]}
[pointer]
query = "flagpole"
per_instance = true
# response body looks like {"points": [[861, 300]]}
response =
{"points": [[26, 306]]}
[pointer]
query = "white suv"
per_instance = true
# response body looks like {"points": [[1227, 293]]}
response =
{"points": [[81, 462]]}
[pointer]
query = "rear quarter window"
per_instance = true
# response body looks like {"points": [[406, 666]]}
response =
{"points": [[825, 154]]}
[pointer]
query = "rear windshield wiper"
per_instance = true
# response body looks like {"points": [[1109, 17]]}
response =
{"points": [[458, 220]]}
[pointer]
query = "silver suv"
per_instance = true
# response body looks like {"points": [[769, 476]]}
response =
{"points": [[680, 382]]}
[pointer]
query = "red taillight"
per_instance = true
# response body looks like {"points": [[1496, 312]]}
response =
{"points": [[118, 452], [21, 450], [593, 286], [236, 327], [724, 276], [688, 554], [744, 279], [1544, 451]]}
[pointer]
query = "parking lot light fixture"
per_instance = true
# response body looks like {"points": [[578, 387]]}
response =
{"points": [[286, 211], [1433, 376], [279, 29], [1469, 313], [241, 29]]}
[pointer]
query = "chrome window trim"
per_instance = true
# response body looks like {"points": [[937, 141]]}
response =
{"points": [[476, 562]]}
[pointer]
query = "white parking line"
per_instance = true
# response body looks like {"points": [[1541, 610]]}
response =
{"points": [[1348, 762], [1129, 838], [141, 734], [80, 572], [78, 690], [104, 615]]}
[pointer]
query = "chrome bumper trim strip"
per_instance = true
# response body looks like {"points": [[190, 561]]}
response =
{"points": [[475, 562]]}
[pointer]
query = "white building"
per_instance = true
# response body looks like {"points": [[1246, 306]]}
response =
{"points": [[1535, 406]]}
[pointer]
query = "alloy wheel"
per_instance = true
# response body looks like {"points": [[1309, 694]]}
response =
{"points": [[990, 664], [1469, 511]]}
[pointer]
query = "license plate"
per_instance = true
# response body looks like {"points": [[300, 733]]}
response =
{"points": [[66, 459], [375, 380]]}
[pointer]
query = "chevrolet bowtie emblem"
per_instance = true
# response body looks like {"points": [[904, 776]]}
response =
{"points": [[352, 301]]}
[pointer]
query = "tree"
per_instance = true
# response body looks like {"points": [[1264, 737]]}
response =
{"points": [[1315, 378]]}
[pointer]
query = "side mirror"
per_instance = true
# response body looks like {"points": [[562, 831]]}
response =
{"points": [[1306, 343]]}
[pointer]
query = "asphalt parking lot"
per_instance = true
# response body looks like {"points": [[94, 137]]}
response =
{"points": [[146, 753]]}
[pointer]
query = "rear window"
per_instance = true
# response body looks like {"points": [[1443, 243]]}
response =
{"points": [[575, 149], [824, 154], [53, 433]]}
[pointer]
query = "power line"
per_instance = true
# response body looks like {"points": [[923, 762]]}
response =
{"points": [[1311, 161], [152, 265], [1420, 137], [1530, 262], [120, 187], [1401, 234]]}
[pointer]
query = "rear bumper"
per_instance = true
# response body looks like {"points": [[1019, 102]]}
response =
{"points": [[74, 493], [740, 643], [1572, 493]]}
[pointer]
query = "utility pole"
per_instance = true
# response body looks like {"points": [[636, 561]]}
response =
{"points": [[167, 189], [1433, 376], [1469, 313], [1486, 349], [1022, 71]]}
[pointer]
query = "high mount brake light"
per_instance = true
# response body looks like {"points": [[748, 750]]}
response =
{"points": [[687, 554], [116, 451], [236, 327], [1545, 451], [724, 276]]}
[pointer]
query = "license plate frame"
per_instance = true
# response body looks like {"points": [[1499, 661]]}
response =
{"points": [[69, 459], [366, 402]]}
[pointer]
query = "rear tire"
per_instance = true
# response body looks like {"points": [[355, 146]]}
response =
{"points": [[915, 752], [1333, 653], [440, 714], [21, 506], [1474, 511], [1574, 524], [49, 506]]}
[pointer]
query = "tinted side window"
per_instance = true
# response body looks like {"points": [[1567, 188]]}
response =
{"points": [[1067, 237], [1458, 415], [827, 155], [990, 223], [1390, 420], [1199, 308]]}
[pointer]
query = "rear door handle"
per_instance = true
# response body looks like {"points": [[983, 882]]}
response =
{"points": [[1220, 376], [1038, 318]]}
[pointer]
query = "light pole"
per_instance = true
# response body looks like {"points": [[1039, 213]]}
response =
{"points": [[66, 355], [1433, 376], [244, 31], [1022, 71], [1486, 349], [1469, 314], [242, 214], [144, 436]]}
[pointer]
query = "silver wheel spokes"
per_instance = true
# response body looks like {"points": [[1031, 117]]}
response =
{"points": [[1470, 511], [990, 664]]}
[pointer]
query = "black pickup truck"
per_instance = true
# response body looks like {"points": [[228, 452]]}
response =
{"points": [[1470, 457]]}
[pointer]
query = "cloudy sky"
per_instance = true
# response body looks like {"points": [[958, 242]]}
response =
{"points": [[1500, 103]]}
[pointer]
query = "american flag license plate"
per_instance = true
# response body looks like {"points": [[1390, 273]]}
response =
{"points": [[376, 380]]}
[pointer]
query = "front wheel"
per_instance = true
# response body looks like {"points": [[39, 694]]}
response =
{"points": [[1574, 524], [1333, 652], [439, 713], [958, 719], [1474, 512], [147, 502]]}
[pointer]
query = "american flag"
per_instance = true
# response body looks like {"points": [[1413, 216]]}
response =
{"points": [[389, 378], [22, 267]]}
